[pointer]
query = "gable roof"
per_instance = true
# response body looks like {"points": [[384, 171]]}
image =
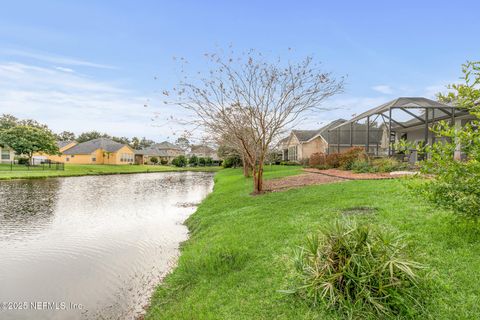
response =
{"points": [[165, 145], [90, 146], [304, 135], [63, 144], [307, 135]]}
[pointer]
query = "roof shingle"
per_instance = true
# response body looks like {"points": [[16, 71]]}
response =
{"points": [[88, 147]]}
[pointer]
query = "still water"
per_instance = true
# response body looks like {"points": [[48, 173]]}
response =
{"points": [[91, 247]]}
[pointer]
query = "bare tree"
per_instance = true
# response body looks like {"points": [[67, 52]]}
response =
{"points": [[252, 101]]}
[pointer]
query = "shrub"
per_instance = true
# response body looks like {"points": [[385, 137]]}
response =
{"points": [[164, 161], [179, 161], [357, 268], [347, 158], [289, 163], [317, 159], [362, 166], [154, 160], [193, 161], [201, 161], [333, 160], [456, 184], [208, 161], [23, 160], [388, 165], [232, 161]]}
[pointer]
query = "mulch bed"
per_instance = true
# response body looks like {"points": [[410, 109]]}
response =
{"points": [[349, 175], [314, 176], [305, 179]]}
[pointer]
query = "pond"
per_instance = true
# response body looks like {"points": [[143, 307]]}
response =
{"points": [[91, 247]]}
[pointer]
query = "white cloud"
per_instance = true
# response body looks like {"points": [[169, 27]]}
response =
{"points": [[383, 88], [74, 102], [64, 69], [54, 59]]}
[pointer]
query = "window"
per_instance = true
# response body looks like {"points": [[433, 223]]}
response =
{"points": [[5, 154], [94, 159]]}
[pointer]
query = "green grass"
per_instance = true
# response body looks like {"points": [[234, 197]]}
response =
{"points": [[237, 256], [91, 169]]}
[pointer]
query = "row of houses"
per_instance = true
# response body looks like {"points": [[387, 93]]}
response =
{"points": [[107, 151], [377, 129]]}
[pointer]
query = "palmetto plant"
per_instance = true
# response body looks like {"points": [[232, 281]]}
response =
{"points": [[357, 269]]}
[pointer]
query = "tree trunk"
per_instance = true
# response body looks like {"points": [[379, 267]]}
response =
{"points": [[246, 167], [258, 179]]}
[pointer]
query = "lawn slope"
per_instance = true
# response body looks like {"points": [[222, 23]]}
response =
{"points": [[236, 258]]}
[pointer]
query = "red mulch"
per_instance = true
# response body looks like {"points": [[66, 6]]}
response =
{"points": [[305, 179], [349, 175]]}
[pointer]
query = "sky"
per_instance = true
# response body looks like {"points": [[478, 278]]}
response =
{"points": [[102, 65]]}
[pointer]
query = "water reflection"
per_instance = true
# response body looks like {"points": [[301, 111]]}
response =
{"points": [[26, 205], [102, 242]]}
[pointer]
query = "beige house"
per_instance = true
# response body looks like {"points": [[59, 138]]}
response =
{"points": [[301, 144], [203, 151], [7, 154], [165, 151]]}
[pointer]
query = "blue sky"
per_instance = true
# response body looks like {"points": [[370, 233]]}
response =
{"points": [[90, 65]]}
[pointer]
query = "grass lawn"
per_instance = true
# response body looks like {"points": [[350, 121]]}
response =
{"points": [[236, 258], [90, 169]]}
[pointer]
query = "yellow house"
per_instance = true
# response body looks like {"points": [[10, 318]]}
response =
{"points": [[98, 151], [39, 157]]}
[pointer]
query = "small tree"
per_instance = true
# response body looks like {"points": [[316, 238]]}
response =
{"points": [[66, 136], [193, 161], [183, 143], [252, 101], [456, 184], [179, 161], [90, 135], [28, 140], [154, 160]]}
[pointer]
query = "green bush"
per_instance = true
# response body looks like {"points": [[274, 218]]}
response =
{"points": [[232, 161], [289, 163], [456, 184], [154, 160], [164, 161], [179, 161], [362, 166], [201, 161], [193, 161], [208, 161], [23, 160], [388, 165], [358, 270]]}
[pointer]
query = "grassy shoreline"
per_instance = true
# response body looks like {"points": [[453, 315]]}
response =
{"points": [[72, 170], [236, 259]]}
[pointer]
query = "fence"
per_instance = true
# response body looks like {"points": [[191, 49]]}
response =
{"points": [[35, 166]]}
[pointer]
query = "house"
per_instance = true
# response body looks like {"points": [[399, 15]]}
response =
{"points": [[301, 144], [98, 151], [7, 154], [203, 151], [165, 151], [62, 146]]}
